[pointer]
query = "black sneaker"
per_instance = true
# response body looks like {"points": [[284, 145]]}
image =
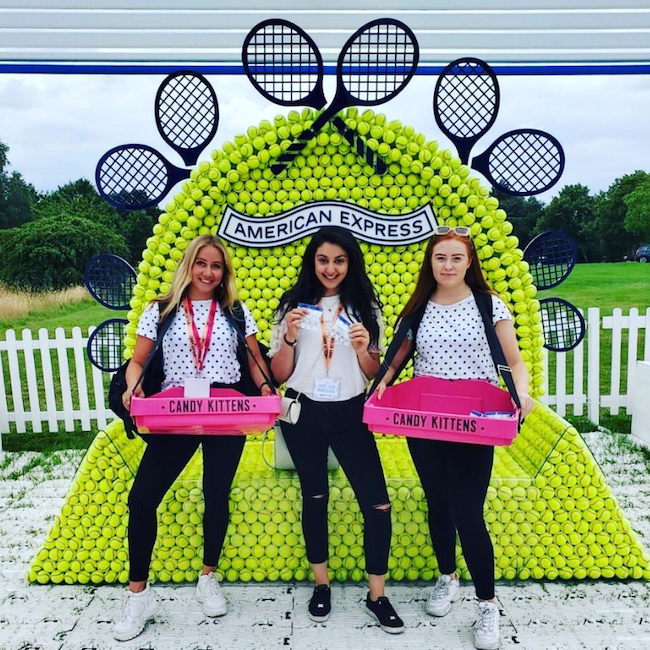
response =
{"points": [[384, 613], [320, 604]]}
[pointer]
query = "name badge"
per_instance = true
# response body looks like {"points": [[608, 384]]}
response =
{"points": [[196, 387], [327, 388]]}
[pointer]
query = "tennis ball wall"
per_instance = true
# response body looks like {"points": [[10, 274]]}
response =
{"points": [[549, 511]]}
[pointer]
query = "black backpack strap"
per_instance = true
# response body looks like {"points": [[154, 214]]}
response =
{"points": [[409, 324], [237, 320], [484, 304], [163, 326]]}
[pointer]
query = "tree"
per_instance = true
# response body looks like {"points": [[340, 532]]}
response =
{"points": [[522, 212], [637, 219], [571, 211], [610, 212], [52, 252], [81, 199], [17, 197]]}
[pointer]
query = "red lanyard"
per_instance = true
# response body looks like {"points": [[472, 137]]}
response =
{"points": [[328, 339], [199, 344]]}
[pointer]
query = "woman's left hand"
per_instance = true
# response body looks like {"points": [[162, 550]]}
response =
{"points": [[266, 390], [527, 404], [359, 337]]}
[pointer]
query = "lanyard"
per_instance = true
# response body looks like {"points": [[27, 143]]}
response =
{"points": [[328, 339], [199, 344]]}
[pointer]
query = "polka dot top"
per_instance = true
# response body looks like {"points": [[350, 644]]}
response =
{"points": [[451, 341], [221, 362]]}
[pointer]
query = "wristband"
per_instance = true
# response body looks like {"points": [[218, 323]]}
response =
{"points": [[262, 384], [291, 344]]}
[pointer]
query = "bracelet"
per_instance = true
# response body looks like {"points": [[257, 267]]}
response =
{"points": [[291, 344], [262, 384]]}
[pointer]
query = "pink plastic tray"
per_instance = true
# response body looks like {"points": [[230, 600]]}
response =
{"points": [[427, 407], [225, 412]]}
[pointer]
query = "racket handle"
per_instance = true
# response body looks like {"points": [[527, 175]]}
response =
{"points": [[360, 146], [285, 159], [357, 143]]}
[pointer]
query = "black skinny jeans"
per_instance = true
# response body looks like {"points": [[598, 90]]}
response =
{"points": [[455, 478], [164, 459], [338, 425]]}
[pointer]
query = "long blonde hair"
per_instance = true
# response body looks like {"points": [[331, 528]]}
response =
{"points": [[225, 293]]}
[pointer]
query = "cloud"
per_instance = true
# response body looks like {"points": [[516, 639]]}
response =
{"points": [[58, 126]]}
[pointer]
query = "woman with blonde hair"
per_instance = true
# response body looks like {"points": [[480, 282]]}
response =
{"points": [[199, 343]]}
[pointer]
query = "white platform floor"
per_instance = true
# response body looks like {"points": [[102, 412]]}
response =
{"points": [[534, 616]]}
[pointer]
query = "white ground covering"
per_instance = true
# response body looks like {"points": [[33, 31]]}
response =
{"points": [[603, 615]]}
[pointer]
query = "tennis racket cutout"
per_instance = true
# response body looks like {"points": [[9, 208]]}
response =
{"points": [[551, 257], [105, 345], [374, 66], [563, 325], [110, 280], [522, 162], [466, 102], [284, 64], [136, 176], [187, 113]]}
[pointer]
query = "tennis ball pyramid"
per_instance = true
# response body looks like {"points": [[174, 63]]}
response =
{"points": [[549, 510]]}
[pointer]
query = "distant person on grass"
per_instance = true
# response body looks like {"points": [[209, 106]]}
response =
{"points": [[200, 342]]}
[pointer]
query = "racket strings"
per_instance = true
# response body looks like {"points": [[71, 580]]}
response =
{"points": [[187, 111], [133, 176], [106, 344], [378, 62], [563, 325], [466, 101], [525, 162], [111, 281], [551, 261], [283, 63]]}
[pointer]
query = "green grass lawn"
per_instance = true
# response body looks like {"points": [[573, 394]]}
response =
{"points": [[622, 284], [82, 314]]}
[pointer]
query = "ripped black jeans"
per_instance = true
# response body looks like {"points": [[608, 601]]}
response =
{"points": [[338, 425]]}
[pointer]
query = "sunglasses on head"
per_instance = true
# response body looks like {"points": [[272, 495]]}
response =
{"points": [[461, 231]]}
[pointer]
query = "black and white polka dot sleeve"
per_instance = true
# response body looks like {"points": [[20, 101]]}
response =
{"points": [[148, 324]]}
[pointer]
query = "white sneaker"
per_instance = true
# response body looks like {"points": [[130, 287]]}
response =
{"points": [[208, 592], [136, 610], [445, 592], [486, 632]]}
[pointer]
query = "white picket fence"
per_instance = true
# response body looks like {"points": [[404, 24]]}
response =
{"points": [[569, 368], [68, 389]]}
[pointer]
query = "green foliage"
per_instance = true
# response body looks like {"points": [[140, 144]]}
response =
{"points": [[637, 219], [571, 211], [611, 211], [52, 252], [81, 199], [77, 199], [17, 198]]}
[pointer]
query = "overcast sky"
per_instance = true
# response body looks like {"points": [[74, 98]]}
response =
{"points": [[58, 126]]}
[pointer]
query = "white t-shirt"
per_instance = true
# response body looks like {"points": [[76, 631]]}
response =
{"points": [[451, 341], [310, 360], [221, 361]]}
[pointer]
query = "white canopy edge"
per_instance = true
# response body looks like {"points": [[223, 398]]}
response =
{"points": [[514, 36]]}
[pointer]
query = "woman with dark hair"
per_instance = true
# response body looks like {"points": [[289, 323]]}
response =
{"points": [[327, 366], [200, 342], [451, 343]]}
